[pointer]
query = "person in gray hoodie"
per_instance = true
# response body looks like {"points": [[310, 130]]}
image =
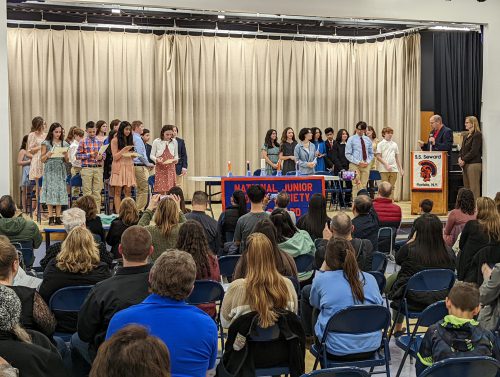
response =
{"points": [[17, 228], [489, 315]]}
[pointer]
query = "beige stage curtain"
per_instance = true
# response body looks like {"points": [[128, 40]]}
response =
{"points": [[223, 93]]}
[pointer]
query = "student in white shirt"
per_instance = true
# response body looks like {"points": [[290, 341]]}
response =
{"points": [[165, 155], [388, 155]]}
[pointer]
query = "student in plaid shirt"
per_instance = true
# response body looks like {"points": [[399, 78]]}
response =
{"points": [[92, 172]]}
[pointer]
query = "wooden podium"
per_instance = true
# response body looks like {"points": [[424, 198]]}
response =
{"points": [[429, 180]]}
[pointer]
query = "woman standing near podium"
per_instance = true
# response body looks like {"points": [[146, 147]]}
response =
{"points": [[471, 156]]}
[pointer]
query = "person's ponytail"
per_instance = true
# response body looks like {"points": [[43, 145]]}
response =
{"points": [[351, 272]]}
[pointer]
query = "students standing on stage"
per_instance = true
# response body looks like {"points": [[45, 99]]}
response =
{"points": [[370, 132], [35, 140], [122, 169], [92, 173], [305, 152], [54, 192], [359, 152], [113, 127], [387, 154], [320, 148], [330, 140], [24, 160], [287, 148], [182, 163], [146, 136], [270, 151], [101, 130], [165, 155], [76, 164], [141, 166]]}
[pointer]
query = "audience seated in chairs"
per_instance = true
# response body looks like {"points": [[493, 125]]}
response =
{"points": [[189, 333], [132, 352], [365, 219], [72, 218], [209, 224], [78, 263], [282, 202], [389, 214], [284, 262], [29, 351], [168, 217], [426, 250], [341, 227], [425, 206], [457, 334], [479, 242], [291, 240], [228, 219], [35, 314], [17, 228], [92, 221], [340, 270], [129, 286], [490, 298], [127, 217], [465, 210], [314, 221], [193, 240], [176, 190]]}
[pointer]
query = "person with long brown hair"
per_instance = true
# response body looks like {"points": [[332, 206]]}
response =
{"points": [[351, 286], [263, 290], [128, 216], [168, 217], [132, 352], [193, 239], [465, 210], [477, 234], [165, 155], [101, 130], [92, 221], [78, 263], [287, 149], [471, 155]]}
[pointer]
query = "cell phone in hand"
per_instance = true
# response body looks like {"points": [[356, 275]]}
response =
{"points": [[273, 196]]}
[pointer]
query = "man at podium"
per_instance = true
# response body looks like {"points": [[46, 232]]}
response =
{"points": [[440, 138]]}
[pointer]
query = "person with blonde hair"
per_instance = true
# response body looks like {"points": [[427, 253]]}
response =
{"points": [[477, 236], [168, 217], [263, 290], [470, 157], [78, 263], [128, 216]]}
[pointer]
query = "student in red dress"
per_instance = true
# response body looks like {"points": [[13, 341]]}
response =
{"points": [[165, 155]]}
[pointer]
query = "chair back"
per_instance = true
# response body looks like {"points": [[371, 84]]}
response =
{"points": [[26, 249], [304, 262], [76, 181], [69, 299], [227, 265], [322, 173], [359, 319], [205, 292], [257, 172], [379, 262], [339, 372], [386, 239], [432, 314], [380, 278], [260, 334], [464, 366], [292, 172], [433, 280]]}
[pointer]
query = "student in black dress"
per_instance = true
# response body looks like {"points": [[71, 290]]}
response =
{"points": [[340, 161], [128, 216], [287, 149], [93, 222], [313, 222], [229, 218], [108, 161]]}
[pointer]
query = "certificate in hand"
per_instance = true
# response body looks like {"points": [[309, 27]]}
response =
{"points": [[103, 149], [58, 152]]}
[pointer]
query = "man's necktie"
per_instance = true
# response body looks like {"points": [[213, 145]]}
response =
{"points": [[363, 149]]}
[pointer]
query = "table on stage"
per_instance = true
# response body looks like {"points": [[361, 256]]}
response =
{"points": [[49, 231]]}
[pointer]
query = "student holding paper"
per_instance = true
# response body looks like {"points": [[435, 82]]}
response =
{"points": [[165, 154], [320, 148], [122, 168], [54, 153]]}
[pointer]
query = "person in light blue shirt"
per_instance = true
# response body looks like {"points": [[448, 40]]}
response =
{"points": [[141, 166], [338, 285], [189, 333], [305, 153], [359, 152]]}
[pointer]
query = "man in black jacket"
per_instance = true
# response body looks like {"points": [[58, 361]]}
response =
{"points": [[182, 164], [441, 138], [365, 222], [129, 286]]}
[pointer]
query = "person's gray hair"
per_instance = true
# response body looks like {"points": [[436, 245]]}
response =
{"points": [[6, 370], [385, 189], [72, 218]]}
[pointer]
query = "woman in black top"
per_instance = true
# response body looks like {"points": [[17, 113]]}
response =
{"points": [[471, 156], [340, 161], [287, 149], [128, 216], [93, 222], [229, 218], [109, 156], [313, 222]]}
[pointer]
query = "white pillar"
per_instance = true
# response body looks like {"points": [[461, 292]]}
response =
{"points": [[5, 140]]}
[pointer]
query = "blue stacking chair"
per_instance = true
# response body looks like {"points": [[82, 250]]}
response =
{"points": [[333, 188], [344, 190], [293, 172], [386, 241], [357, 319], [339, 372], [68, 300], [379, 262], [75, 181], [151, 183], [430, 281], [207, 292], [304, 262], [227, 264], [411, 343], [381, 282], [476, 366], [266, 335], [26, 249]]}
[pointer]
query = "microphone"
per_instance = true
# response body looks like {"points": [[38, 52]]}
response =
{"points": [[431, 134]]}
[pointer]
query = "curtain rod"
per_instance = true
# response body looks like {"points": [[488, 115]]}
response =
{"points": [[216, 31]]}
